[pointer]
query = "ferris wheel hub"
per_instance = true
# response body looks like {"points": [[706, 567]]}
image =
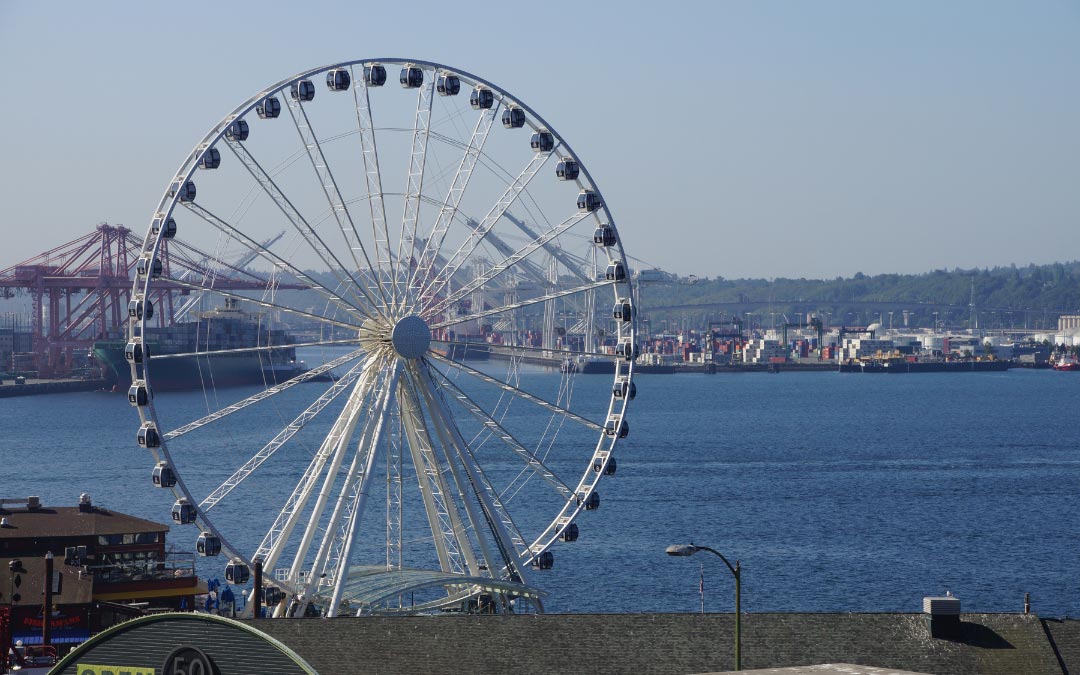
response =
{"points": [[411, 337]]}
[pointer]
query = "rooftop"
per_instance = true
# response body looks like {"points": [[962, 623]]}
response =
{"points": [[22, 520]]}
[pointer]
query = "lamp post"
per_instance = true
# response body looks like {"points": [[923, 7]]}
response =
{"points": [[683, 550]]}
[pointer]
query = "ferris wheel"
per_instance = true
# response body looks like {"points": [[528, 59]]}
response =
{"points": [[355, 347]]}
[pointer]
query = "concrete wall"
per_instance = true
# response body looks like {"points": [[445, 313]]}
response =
{"points": [[669, 643]]}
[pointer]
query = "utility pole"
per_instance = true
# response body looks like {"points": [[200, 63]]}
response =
{"points": [[46, 629]]}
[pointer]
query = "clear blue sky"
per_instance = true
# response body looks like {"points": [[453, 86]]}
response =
{"points": [[758, 139]]}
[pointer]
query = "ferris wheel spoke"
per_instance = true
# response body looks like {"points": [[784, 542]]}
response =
{"points": [[282, 437], [520, 393], [491, 424], [179, 283], [449, 208], [263, 395], [506, 263], [524, 303], [194, 261], [495, 519], [519, 350], [380, 230], [436, 285], [415, 183], [263, 252], [248, 350], [341, 213], [448, 532], [306, 231], [570, 263]]}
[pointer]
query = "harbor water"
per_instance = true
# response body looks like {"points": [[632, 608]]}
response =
{"points": [[837, 492]]}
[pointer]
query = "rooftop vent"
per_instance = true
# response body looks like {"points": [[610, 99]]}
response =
{"points": [[85, 505], [4, 522], [942, 615], [33, 503]]}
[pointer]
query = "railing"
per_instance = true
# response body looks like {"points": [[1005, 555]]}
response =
{"points": [[144, 571]]}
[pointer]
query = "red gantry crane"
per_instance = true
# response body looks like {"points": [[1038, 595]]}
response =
{"points": [[80, 290]]}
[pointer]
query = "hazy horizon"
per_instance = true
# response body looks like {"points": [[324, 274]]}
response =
{"points": [[767, 140]]}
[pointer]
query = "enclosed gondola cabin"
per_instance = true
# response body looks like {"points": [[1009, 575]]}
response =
{"points": [[569, 533], [592, 502], [139, 308], [617, 426], [624, 389], [622, 311], [302, 90], [207, 545], [185, 191], [604, 236], [167, 231], [615, 272], [210, 159], [588, 201], [133, 353], [626, 351], [481, 98], [268, 108], [513, 117], [163, 476], [567, 169], [337, 79], [237, 131], [374, 75], [236, 572], [608, 468], [183, 512], [448, 85], [542, 141], [411, 77], [138, 394], [544, 561], [148, 436], [146, 266], [272, 595]]}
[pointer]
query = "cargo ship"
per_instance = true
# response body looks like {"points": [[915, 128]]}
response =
{"points": [[936, 366], [225, 328]]}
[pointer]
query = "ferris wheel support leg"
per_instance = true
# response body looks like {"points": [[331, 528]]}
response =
{"points": [[451, 539], [335, 444], [491, 518], [341, 574]]}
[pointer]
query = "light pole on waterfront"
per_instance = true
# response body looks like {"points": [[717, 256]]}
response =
{"points": [[683, 550]]}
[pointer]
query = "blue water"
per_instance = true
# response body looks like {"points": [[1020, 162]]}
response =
{"points": [[836, 492]]}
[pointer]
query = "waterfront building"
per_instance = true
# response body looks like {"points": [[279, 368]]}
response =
{"points": [[107, 566], [1069, 323]]}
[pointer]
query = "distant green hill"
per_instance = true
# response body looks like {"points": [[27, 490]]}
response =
{"points": [[1004, 297]]}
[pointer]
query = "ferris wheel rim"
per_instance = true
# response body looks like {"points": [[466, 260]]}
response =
{"points": [[166, 208]]}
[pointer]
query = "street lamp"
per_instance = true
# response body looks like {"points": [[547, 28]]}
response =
{"points": [[683, 550]]}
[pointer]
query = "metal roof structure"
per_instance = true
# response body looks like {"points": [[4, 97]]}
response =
{"points": [[370, 585]]}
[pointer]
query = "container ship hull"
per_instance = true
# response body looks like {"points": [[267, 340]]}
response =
{"points": [[227, 331], [191, 372]]}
